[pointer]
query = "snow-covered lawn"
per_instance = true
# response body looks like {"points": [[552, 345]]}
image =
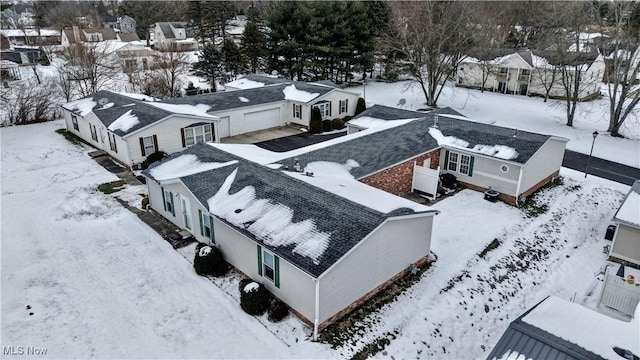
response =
{"points": [[100, 283], [526, 113]]}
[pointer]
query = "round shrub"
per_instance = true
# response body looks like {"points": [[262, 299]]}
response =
{"points": [[347, 118], [156, 156], [327, 125], [315, 125], [254, 298], [337, 123], [277, 311], [209, 261]]}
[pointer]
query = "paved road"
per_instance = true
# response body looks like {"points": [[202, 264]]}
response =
{"points": [[602, 168]]}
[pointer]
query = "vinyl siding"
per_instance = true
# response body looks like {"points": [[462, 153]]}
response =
{"points": [[546, 161], [626, 245], [388, 251], [236, 116], [486, 172]]}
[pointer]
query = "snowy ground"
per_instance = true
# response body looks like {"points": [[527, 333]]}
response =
{"points": [[526, 113]]}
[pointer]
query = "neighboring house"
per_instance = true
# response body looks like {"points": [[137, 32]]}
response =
{"points": [[285, 102], [173, 36], [527, 72], [321, 247], [626, 240], [126, 24], [127, 37], [32, 36], [135, 57], [513, 162], [129, 129], [559, 329], [9, 70], [252, 81], [24, 56], [75, 35], [229, 113], [109, 21]]}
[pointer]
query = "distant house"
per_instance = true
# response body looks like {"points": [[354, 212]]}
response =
{"points": [[528, 72], [135, 57], [251, 81], [321, 251], [31, 36], [512, 162], [127, 37], [126, 24], [109, 21], [75, 35], [221, 114], [626, 240], [24, 56], [559, 329], [173, 36]]}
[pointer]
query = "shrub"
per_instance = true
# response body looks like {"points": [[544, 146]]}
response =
{"points": [[156, 156], [254, 298], [277, 311], [315, 125], [327, 125], [337, 123], [347, 118], [209, 261], [360, 106]]}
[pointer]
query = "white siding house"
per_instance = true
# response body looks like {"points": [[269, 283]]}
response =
{"points": [[626, 240], [326, 249]]}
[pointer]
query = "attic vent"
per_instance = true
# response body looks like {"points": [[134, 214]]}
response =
{"points": [[435, 121], [103, 101], [238, 211]]}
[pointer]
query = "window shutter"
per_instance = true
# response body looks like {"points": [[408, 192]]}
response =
{"points": [[184, 144], [346, 105], [115, 144], [330, 108], [446, 160], [164, 200], [294, 110], [155, 143], [213, 235], [213, 132], [143, 154], [471, 166], [201, 225], [173, 208], [259, 260], [276, 277]]}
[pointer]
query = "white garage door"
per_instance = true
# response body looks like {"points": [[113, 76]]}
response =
{"points": [[260, 120], [223, 127]]}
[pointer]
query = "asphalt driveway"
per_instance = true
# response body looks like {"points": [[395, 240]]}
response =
{"points": [[297, 141]]}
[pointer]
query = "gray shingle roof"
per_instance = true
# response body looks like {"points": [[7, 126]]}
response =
{"points": [[346, 221], [231, 99], [146, 113], [382, 149], [389, 113], [531, 342]]}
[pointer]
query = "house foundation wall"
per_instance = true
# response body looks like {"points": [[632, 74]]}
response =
{"points": [[398, 180]]}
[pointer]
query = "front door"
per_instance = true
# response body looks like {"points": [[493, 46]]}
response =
{"points": [[502, 87], [186, 212], [522, 90]]}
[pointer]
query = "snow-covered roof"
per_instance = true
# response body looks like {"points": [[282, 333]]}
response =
{"points": [[629, 211], [292, 93], [184, 165], [559, 329], [29, 32], [312, 225], [243, 83]]}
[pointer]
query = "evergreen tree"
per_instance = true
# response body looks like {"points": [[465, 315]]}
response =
{"points": [[209, 64], [253, 46], [315, 124], [233, 58]]}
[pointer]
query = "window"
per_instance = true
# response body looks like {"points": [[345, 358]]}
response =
{"points": [[344, 106], [269, 266], [94, 133], [186, 212], [74, 121], [504, 70], [148, 145], [197, 134], [460, 163], [112, 142], [526, 72], [297, 111], [325, 109], [167, 201], [206, 225]]}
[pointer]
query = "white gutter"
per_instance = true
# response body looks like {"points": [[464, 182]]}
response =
{"points": [[317, 310]]}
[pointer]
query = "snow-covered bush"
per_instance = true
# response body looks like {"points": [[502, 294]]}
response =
{"points": [[209, 261], [277, 311], [254, 298], [327, 125], [337, 124]]}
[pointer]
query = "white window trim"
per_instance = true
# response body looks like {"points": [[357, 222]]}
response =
{"points": [[297, 111], [458, 163], [194, 137], [272, 267], [168, 195], [74, 122], [343, 106], [325, 109], [186, 212], [206, 218]]}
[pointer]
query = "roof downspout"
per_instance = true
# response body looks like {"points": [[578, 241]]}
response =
{"points": [[519, 185], [317, 310]]}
